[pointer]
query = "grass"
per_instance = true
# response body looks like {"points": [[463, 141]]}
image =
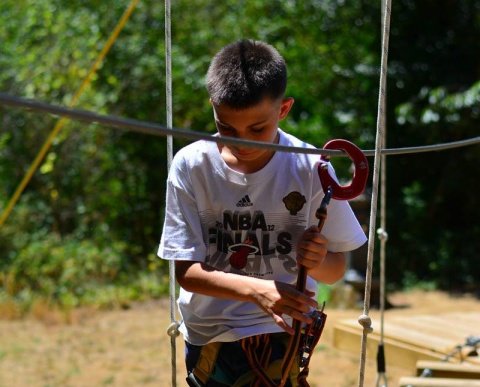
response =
{"points": [[58, 307]]}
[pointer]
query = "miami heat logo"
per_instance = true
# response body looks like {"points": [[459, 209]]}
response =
{"points": [[240, 253], [294, 202]]}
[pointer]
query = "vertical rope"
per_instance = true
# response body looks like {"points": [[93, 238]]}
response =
{"points": [[382, 236], [173, 329], [364, 319], [168, 76]]}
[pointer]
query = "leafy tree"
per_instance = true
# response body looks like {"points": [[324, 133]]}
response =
{"points": [[101, 186], [434, 98]]}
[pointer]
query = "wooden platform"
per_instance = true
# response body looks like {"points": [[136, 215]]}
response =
{"points": [[409, 339], [438, 369], [408, 381]]}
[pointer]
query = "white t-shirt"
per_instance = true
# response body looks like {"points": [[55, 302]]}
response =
{"points": [[246, 224]]}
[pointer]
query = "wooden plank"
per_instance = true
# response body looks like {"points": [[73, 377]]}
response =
{"points": [[399, 354], [447, 328], [410, 339], [451, 326], [449, 370], [409, 381], [402, 331], [398, 337]]}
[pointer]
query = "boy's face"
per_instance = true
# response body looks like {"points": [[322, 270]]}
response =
{"points": [[256, 123]]}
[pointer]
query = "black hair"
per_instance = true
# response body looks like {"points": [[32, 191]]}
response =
{"points": [[243, 73]]}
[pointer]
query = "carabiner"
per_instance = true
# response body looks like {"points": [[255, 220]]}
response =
{"points": [[360, 174]]}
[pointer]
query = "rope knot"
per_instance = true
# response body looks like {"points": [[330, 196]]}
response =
{"points": [[366, 322], [172, 329], [382, 234]]}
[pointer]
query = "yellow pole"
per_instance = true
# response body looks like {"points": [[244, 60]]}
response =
{"points": [[61, 122]]}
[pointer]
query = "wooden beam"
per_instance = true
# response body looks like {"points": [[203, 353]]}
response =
{"points": [[413, 338], [408, 381], [449, 370], [347, 338]]}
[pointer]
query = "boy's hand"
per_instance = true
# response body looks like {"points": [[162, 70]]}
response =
{"points": [[278, 299], [311, 248]]}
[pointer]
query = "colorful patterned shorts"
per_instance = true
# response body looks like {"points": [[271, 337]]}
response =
{"points": [[225, 364]]}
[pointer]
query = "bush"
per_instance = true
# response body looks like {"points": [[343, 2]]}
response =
{"points": [[69, 273]]}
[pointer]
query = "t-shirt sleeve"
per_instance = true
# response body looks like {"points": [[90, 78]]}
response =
{"points": [[182, 237], [341, 227]]}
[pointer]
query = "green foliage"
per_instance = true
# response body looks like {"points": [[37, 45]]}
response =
{"points": [[433, 98], [92, 215], [52, 266], [72, 272], [411, 281]]}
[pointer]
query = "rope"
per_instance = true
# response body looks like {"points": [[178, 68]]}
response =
{"points": [[61, 123], [383, 237], [173, 328], [382, 380], [155, 129], [169, 131], [364, 319]]}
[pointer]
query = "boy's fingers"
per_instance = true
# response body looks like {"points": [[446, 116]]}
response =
{"points": [[315, 246], [280, 321], [304, 298], [283, 324], [292, 296], [307, 262]]}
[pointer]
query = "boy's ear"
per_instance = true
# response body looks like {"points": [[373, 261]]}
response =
{"points": [[285, 107]]}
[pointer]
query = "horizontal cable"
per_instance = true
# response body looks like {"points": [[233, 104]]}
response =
{"points": [[160, 130]]}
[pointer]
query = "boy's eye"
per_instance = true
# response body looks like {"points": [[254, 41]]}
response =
{"points": [[224, 128], [257, 130]]}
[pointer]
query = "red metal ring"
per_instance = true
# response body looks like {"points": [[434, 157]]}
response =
{"points": [[360, 174]]}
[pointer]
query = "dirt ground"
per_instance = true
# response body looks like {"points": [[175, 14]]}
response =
{"points": [[131, 348]]}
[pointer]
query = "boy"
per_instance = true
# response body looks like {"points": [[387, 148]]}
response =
{"points": [[239, 222]]}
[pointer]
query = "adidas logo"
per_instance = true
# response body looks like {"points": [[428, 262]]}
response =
{"points": [[244, 202]]}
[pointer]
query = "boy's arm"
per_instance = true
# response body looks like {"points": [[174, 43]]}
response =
{"points": [[274, 297], [331, 269]]}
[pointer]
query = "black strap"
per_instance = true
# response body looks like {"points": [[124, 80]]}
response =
{"points": [[192, 381]]}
